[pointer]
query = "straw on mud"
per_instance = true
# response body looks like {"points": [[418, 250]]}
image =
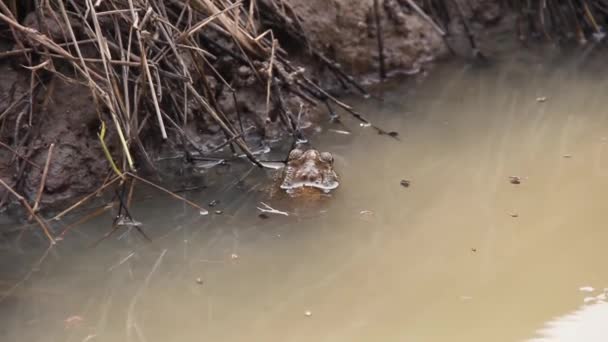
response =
{"points": [[207, 20], [333, 66], [43, 180], [9, 14], [223, 125], [17, 154], [23, 201]]}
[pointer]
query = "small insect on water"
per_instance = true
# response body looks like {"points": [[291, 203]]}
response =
{"points": [[514, 180]]}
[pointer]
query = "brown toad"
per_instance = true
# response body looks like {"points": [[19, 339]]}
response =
{"points": [[309, 170]]}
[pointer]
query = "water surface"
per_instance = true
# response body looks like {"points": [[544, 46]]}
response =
{"points": [[459, 255]]}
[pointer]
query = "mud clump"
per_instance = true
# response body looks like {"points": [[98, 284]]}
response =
{"points": [[345, 30], [67, 118]]}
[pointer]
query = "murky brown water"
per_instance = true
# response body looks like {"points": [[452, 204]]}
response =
{"points": [[442, 260]]}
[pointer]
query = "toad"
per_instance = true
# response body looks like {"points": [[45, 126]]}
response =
{"points": [[309, 170]]}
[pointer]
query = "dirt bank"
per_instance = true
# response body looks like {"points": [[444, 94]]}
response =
{"points": [[343, 31], [346, 32]]}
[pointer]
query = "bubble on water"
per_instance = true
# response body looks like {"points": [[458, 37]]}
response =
{"points": [[203, 212]]}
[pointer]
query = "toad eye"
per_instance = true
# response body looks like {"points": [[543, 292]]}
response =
{"points": [[327, 157], [295, 154]]}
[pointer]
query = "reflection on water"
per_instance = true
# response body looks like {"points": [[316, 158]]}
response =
{"points": [[585, 324], [462, 254]]}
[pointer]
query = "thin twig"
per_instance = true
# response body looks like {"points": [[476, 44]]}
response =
{"points": [[86, 198], [202, 210], [20, 155], [43, 179], [270, 210], [23, 201]]}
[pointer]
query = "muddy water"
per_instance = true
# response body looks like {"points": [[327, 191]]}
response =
{"points": [[459, 255]]}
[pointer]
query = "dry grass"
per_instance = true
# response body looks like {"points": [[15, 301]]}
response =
{"points": [[149, 65]]}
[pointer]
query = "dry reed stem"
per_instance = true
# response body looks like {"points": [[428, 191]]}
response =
{"points": [[202, 210], [86, 218], [43, 179], [20, 155], [85, 198], [269, 81]]}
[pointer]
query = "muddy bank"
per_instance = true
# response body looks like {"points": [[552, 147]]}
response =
{"points": [[320, 36]]}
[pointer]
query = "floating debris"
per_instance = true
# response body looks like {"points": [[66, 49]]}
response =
{"points": [[598, 36], [272, 165], [366, 212], [203, 212], [514, 180], [214, 203], [514, 214], [307, 313], [586, 289], [473, 250], [393, 134], [234, 256], [405, 183], [365, 124], [339, 131], [567, 156], [219, 212], [270, 210], [541, 99], [199, 281], [205, 165], [263, 216], [127, 222], [72, 321]]}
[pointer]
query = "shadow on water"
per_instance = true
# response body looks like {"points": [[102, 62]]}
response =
{"points": [[462, 254]]}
